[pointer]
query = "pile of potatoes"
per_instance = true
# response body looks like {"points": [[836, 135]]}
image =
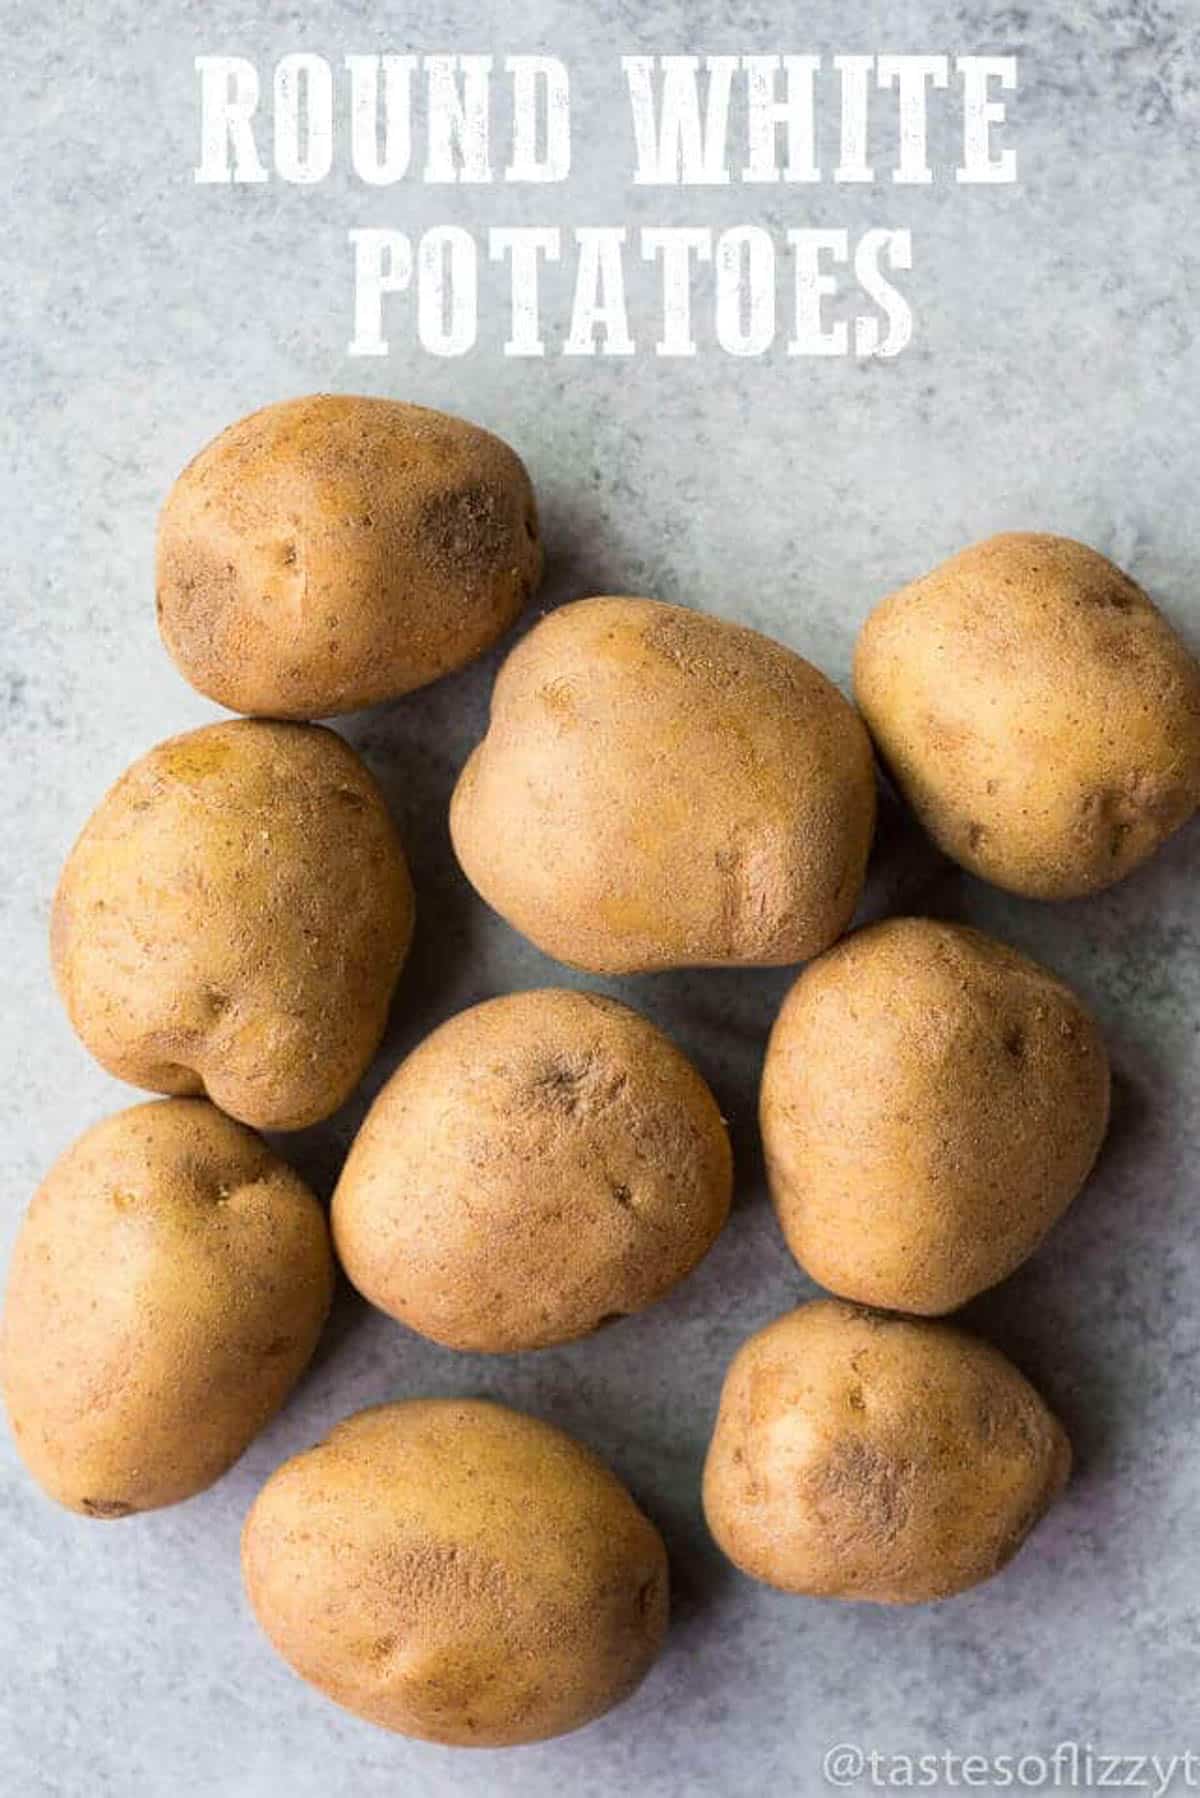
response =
{"points": [[657, 789]]}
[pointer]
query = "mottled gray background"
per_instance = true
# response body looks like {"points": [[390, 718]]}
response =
{"points": [[1053, 384]]}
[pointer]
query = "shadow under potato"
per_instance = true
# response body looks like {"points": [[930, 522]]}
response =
{"points": [[1030, 1315]]}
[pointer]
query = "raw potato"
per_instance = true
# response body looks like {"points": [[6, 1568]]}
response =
{"points": [[458, 1572], [931, 1103], [540, 1165], [883, 1458], [331, 552], [661, 789], [168, 1286], [233, 920], [1038, 713]]}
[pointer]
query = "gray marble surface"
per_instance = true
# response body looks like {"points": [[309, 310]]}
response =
{"points": [[1052, 384]]}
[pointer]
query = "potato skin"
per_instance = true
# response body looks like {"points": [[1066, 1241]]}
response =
{"points": [[661, 789], [931, 1103], [167, 1288], [458, 1572], [540, 1165], [233, 920], [331, 552], [862, 1456], [1040, 716]]}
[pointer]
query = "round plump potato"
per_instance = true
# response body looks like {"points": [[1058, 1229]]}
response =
{"points": [[540, 1165], [233, 920], [863, 1456], [331, 552], [1039, 715], [661, 789], [168, 1286], [458, 1572], [931, 1103]]}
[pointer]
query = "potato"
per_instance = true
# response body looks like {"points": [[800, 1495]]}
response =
{"points": [[458, 1572], [660, 789], [931, 1103], [168, 1286], [233, 919], [1040, 716], [332, 552], [870, 1457], [542, 1164]]}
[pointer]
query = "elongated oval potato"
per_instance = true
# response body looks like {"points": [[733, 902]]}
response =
{"points": [[661, 789], [931, 1103], [331, 552], [863, 1456], [167, 1288], [458, 1572], [233, 920], [1040, 716], [540, 1165]]}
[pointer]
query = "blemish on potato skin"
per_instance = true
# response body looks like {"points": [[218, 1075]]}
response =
{"points": [[609, 1318], [466, 529], [106, 1507], [647, 1595], [864, 1489]]}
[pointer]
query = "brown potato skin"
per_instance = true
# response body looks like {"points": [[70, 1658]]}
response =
{"points": [[1038, 713], [862, 1456], [457, 1572], [328, 553], [540, 1165], [168, 1286], [233, 920], [662, 789], [931, 1103]]}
